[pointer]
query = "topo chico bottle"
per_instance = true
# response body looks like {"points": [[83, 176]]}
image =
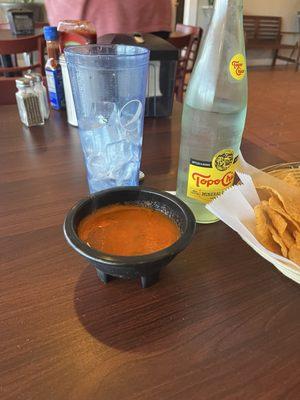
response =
{"points": [[214, 112]]}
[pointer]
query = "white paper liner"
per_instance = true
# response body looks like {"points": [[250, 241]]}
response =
{"points": [[235, 208]]}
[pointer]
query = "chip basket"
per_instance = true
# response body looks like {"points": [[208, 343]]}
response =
{"points": [[280, 171]]}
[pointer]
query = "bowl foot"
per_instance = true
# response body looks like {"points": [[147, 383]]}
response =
{"points": [[145, 280], [105, 278], [149, 280]]}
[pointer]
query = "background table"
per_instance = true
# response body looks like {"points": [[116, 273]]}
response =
{"points": [[221, 323], [17, 44], [6, 34]]}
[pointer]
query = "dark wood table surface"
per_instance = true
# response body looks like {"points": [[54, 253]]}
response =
{"points": [[222, 323]]}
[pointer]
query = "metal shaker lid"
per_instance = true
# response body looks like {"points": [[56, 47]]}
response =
{"points": [[34, 76], [22, 82]]}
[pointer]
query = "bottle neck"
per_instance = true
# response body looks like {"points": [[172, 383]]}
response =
{"points": [[227, 19], [224, 39], [227, 8], [52, 49], [228, 3]]}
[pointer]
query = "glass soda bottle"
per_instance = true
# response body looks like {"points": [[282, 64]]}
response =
{"points": [[214, 112]]}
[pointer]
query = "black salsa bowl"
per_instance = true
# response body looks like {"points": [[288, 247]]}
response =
{"points": [[145, 267]]}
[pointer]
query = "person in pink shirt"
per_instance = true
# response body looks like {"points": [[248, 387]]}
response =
{"points": [[115, 16]]}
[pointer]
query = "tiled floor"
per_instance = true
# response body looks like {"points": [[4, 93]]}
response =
{"points": [[273, 120]]}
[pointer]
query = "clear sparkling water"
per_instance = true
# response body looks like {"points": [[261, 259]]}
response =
{"points": [[203, 135]]}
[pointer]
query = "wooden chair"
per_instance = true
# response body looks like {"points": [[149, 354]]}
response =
{"points": [[13, 47], [294, 56], [8, 91], [193, 48], [196, 33], [264, 32], [26, 44], [182, 43], [37, 25], [188, 54], [6, 58]]}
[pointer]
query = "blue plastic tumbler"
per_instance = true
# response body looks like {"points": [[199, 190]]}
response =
{"points": [[109, 88]]}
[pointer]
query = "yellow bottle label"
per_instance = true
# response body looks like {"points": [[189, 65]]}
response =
{"points": [[208, 179], [237, 66]]}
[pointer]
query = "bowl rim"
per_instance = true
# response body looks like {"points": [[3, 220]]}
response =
{"points": [[283, 165], [83, 51], [98, 256]]}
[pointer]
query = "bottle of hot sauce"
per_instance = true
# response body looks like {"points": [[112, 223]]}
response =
{"points": [[53, 69]]}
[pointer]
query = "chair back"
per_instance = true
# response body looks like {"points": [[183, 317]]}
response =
{"points": [[180, 42], [258, 28], [193, 48], [188, 54], [8, 91], [19, 45], [37, 25]]}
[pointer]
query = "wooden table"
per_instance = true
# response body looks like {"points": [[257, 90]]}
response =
{"points": [[10, 41], [6, 34], [221, 323]]}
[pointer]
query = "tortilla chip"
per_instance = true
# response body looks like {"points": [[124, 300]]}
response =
{"points": [[290, 175], [261, 220], [296, 235], [278, 214], [291, 179], [263, 193], [294, 254], [276, 205], [277, 220], [277, 239], [288, 239], [262, 230], [290, 206]]}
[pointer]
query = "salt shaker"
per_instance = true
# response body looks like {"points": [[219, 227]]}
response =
{"points": [[28, 103], [39, 88]]}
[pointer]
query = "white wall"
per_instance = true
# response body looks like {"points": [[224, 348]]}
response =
{"points": [[190, 12], [287, 9]]}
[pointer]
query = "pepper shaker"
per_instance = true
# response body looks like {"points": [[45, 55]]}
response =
{"points": [[28, 103]]}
